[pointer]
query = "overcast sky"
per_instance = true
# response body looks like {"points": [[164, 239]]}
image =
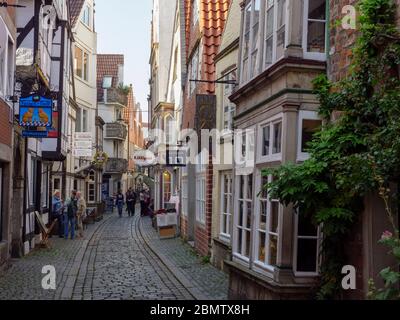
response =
{"points": [[123, 27]]}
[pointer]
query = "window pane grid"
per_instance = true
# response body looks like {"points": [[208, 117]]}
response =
{"points": [[267, 227], [244, 216]]}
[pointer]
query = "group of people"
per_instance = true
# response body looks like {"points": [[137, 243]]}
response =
{"points": [[69, 214], [130, 199]]}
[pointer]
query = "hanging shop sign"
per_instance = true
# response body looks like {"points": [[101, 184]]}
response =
{"points": [[144, 158], [100, 158], [35, 112], [83, 142], [34, 134]]}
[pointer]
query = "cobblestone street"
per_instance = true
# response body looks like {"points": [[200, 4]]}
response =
{"points": [[119, 259]]}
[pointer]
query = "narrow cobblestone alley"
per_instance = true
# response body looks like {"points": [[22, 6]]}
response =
{"points": [[121, 259]]}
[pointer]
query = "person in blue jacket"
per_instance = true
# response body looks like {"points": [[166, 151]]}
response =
{"points": [[57, 212]]}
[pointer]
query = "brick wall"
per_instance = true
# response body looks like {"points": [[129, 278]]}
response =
{"points": [[184, 228], [203, 234], [341, 41], [5, 126], [201, 240]]}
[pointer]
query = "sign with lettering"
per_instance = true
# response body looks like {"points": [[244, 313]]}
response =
{"points": [[83, 145], [144, 158]]}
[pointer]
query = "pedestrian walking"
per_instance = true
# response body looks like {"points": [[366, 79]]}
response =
{"points": [[70, 216], [142, 198], [81, 213], [57, 212], [119, 201], [131, 202]]}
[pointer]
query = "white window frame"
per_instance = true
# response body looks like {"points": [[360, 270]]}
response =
{"points": [[247, 78], [226, 191], [246, 162], [271, 157], [85, 75], [81, 121], [318, 237], [164, 184], [7, 81], [87, 13], [274, 33], [312, 55], [227, 90], [242, 229], [201, 198], [201, 188], [304, 115], [266, 265]]}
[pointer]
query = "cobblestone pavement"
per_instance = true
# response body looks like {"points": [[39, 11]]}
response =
{"points": [[203, 280], [115, 262]]}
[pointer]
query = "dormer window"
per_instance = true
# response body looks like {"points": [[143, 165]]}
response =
{"points": [[107, 82]]}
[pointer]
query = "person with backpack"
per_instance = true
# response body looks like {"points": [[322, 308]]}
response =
{"points": [[70, 216], [119, 201]]}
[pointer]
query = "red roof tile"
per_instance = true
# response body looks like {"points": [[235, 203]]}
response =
{"points": [[108, 65], [215, 13]]}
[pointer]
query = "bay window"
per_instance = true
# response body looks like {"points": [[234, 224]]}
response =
{"points": [[243, 215], [270, 140], [246, 43], [244, 155], [314, 33], [268, 215], [226, 205], [255, 39], [275, 31], [265, 34]]}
